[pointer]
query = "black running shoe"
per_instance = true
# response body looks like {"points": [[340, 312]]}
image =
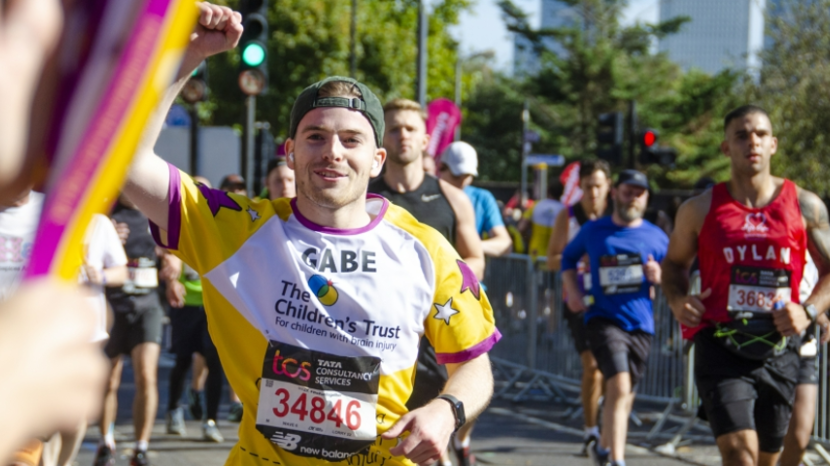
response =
{"points": [[104, 456], [194, 404], [140, 459], [587, 445], [597, 458]]}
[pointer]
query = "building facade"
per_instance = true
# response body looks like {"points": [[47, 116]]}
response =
{"points": [[721, 34]]}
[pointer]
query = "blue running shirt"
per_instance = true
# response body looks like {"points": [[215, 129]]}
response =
{"points": [[618, 283]]}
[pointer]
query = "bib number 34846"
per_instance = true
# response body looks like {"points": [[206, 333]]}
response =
{"points": [[318, 404]]}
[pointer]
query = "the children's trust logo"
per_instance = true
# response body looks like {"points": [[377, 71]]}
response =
{"points": [[323, 289]]}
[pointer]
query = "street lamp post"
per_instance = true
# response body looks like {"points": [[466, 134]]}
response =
{"points": [[423, 28]]}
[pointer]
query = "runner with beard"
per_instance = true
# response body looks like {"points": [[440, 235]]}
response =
{"points": [[316, 304], [594, 181], [751, 235], [624, 253]]}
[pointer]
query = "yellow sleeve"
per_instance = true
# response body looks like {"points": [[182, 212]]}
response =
{"points": [[206, 226], [460, 325]]}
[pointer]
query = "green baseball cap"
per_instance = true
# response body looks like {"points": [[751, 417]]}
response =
{"points": [[369, 105]]}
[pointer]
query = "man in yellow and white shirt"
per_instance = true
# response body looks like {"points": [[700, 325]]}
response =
{"points": [[317, 304]]}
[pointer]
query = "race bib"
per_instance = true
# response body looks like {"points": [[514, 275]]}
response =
{"points": [[317, 404], [620, 273], [757, 289], [142, 276]]}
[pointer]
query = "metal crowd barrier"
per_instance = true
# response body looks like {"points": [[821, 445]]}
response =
{"points": [[536, 356]]}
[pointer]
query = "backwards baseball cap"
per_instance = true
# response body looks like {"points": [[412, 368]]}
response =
{"points": [[368, 104], [633, 178], [461, 158]]}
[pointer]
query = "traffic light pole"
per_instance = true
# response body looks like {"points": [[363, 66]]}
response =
{"points": [[246, 164], [423, 29], [525, 150], [632, 133], [194, 140]]}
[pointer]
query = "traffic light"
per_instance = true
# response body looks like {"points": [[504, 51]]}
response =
{"points": [[195, 90], [253, 52], [650, 153], [610, 138]]}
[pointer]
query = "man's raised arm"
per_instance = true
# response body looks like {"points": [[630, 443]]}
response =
{"points": [[218, 30]]}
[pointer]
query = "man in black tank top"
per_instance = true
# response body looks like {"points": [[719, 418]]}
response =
{"points": [[427, 203], [433, 202]]}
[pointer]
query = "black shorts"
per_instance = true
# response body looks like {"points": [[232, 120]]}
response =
{"points": [[189, 331], [576, 323], [130, 329], [808, 371], [430, 377], [739, 393], [618, 351]]}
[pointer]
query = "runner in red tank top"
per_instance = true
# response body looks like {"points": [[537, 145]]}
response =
{"points": [[751, 236]]}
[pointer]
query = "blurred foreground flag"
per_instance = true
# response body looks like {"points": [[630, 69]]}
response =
{"points": [[443, 117], [114, 61]]}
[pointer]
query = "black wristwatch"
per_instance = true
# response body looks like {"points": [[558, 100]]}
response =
{"points": [[812, 312], [457, 408]]}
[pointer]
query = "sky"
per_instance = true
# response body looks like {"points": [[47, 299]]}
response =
{"points": [[483, 29]]}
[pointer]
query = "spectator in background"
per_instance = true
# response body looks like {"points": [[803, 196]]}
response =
{"points": [[541, 219], [279, 179], [459, 166], [234, 183]]}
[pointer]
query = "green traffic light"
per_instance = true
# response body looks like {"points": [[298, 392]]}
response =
{"points": [[253, 54]]}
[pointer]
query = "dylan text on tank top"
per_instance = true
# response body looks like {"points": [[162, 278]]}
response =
{"points": [[750, 258]]}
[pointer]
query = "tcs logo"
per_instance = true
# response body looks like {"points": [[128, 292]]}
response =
{"points": [[290, 367]]}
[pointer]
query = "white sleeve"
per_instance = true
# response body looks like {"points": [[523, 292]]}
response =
{"points": [[113, 251]]}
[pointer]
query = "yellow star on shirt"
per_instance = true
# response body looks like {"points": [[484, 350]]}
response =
{"points": [[445, 311]]}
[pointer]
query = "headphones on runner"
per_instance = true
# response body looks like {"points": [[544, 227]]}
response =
{"points": [[375, 165], [291, 156]]}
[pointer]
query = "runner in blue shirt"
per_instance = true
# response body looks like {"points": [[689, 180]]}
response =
{"points": [[625, 253]]}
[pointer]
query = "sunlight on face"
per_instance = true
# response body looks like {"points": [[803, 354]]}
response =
{"points": [[334, 153]]}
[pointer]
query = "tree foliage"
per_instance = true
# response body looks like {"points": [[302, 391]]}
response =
{"points": [[795, 89], [309, 40], [603, 67]]}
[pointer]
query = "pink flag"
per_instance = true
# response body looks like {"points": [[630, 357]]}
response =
{"points": [[443, 117], [570, 180]]}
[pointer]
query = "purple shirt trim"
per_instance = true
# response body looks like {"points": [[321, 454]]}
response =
{"points": [[174, 212], [469, 353], [341, 231]]}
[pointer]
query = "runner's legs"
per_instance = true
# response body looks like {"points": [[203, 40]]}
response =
{"points": [[145, 357], [111, 397], [801, 424], [618, 401], [591, 389]]}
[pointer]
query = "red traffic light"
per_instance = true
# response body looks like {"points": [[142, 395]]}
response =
{"points": [[649, 137]]}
